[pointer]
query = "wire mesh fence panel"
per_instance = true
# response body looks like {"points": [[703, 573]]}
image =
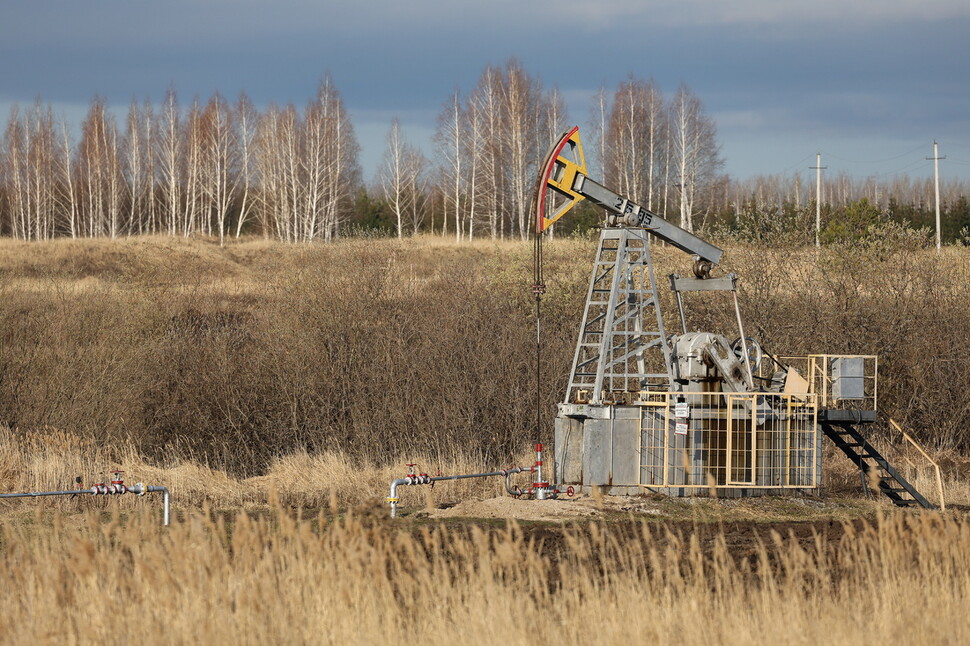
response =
{"points": [[729, 440]]}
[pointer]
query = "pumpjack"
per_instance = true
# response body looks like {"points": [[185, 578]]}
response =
{"points": [[689, 412]]}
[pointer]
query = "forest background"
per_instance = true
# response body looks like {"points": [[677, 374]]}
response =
{"points": [[224, 168]]}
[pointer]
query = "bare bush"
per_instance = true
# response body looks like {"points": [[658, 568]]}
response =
{"points": [[379, 350]]}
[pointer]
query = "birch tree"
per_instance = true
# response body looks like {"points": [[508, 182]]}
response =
{"points": [[695, 150], [316, 168], [192, 172], [452, 151], [393, 175], [288, 150], [32, 191], [487, 146], [138, 167], [343, 169], [599, 117], [30, 173], [246, 118], [100, 183], [632, 140], [416, 165], [69, 193], [44, 171], [167, 153], [521, 99], [268, 165], [219, 163], [14, 144], [471, 126], [277, 156]]}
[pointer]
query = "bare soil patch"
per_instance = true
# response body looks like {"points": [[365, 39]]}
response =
{"points": [[656, 507], [529, 510]]}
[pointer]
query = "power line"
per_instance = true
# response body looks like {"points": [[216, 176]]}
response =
{"points": [[796, 164], [875, 161], [916, 164]]}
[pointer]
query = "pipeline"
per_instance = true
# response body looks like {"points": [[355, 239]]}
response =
{"points": [[540, 490], [117, 487], [425, 479]]}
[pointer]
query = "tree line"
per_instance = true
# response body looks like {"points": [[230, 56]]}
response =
{"points": [[214, 169], [489, 142], [225, 168], [773, 207]]}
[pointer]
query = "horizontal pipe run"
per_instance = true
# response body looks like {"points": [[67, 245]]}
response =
{"points": [[37, 494], [138, 489], [421, 479]]}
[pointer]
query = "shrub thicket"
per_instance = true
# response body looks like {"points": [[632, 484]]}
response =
{"points": [[379, 349]]}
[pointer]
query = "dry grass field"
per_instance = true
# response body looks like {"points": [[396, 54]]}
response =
{"points": [[276, 390]]}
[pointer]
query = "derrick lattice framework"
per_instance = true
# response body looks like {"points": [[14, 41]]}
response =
{"points": [[621, 323]]}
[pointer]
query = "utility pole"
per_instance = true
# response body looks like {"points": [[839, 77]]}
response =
{"points": [[818, 168], [936, 180]]}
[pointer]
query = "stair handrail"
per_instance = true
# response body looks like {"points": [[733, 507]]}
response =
{"points": [[939, 476]]}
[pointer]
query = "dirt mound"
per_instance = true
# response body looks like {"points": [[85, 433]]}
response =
{"points": [[505, 507]]}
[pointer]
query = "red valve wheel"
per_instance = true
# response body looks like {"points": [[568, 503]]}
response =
{"points": [[570, 491]]}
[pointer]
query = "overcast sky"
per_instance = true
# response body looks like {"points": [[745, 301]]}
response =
{"points": [[868, 83]]}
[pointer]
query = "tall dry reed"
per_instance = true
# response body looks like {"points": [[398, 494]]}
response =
{"points": [[281, 579]]}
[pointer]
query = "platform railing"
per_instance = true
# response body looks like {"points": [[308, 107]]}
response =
{"points": [[933, 463], [845, 380], [839, 380]]}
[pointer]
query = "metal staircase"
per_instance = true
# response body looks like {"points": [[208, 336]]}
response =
{"points": [[865, 456], [614, 333]]}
